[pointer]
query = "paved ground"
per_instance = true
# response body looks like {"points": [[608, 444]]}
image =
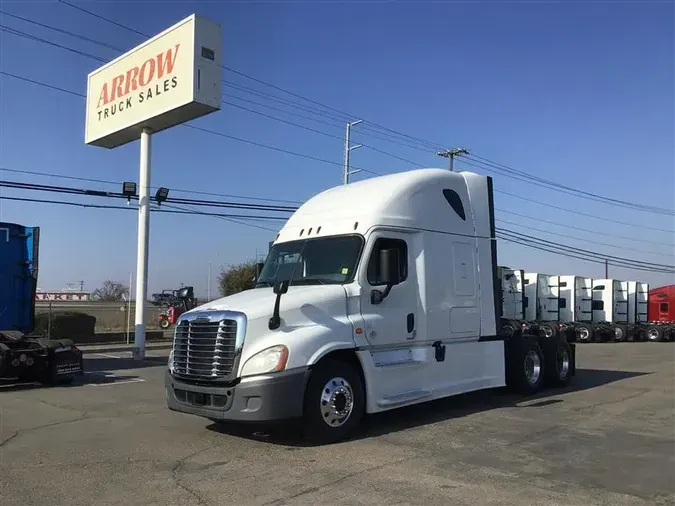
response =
{"points": [[111, 441]]}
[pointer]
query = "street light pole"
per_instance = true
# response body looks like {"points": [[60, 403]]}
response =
{"points": [[451, 154], [346, 172], [208, 288]]}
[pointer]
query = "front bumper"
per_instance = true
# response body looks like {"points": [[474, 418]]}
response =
{"points": [[276, 396]]}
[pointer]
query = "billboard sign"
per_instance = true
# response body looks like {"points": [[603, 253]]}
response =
{"points": [[62, 296], [171, 78]]}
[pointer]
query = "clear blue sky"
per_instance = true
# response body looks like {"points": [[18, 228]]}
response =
{"points": [[581, 93]]}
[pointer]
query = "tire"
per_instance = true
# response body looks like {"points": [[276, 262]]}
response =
{"points": [[333, 382], [164, 323], [584, 333], [655, 334], [525, 368], [559, 364], [547, 331], [620, 333]]}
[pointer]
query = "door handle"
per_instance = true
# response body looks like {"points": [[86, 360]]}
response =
{"points": [[411, 322]]}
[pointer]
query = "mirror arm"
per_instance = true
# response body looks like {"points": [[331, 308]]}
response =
{"points": [[386, 291]]}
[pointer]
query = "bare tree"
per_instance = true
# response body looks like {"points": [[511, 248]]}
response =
{"points": [[237, 278], [110, 291]]}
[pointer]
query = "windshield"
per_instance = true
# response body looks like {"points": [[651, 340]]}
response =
{"points": [[326, 260]]}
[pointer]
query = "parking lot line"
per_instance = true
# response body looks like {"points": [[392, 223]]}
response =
{"points": [[135, 380]]}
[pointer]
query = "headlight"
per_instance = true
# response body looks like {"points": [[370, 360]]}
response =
{"points": [[272, 359], [171, 362]]}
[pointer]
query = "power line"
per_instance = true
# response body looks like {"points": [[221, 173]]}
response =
{"points": [[589, 215], [551, 222], [25, 35], [345, 115], [232, 137], [82, 9], [399, 136], [484, 162], [551, 185], [504, 233], [173, 190], [110, 46], [309, 156], [623, 247], [50, 86], [601, 256], [60, 30], [172, 210], [97, 193]]}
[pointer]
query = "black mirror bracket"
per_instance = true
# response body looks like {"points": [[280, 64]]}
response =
{"points": [[280, 288], [377, 296]]}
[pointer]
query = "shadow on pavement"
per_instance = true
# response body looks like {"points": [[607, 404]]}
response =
{"points": [[288, 434]]}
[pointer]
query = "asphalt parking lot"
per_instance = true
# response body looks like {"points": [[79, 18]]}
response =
{"points": [[109, 440]]}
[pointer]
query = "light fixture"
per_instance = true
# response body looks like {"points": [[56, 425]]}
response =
{"points": [[161, 195], [129, 190]]}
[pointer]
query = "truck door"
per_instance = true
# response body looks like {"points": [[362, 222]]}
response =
{"points": [[395, 319]]}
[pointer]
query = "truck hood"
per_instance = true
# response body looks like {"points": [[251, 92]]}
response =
{"points": [[259, 302], [314, 321]]}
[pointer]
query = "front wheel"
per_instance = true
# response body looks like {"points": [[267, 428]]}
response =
{"points": [[164, 323], [334, 402]]}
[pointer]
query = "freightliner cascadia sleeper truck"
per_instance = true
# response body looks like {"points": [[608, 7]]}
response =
{"points": [[375, 295]]}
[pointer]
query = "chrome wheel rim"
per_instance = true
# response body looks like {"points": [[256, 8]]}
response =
{"points": [[563, 362], [618, 334], [584, 334], [532, 367], [653, 334], [337, 402], [548, 332]]}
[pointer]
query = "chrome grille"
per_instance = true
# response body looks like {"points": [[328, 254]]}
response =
{"points": [[203, 348]]}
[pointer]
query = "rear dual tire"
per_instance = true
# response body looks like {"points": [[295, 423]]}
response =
{"points": [[530, 367]]}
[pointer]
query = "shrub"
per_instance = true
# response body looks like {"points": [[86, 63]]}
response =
{"points": [[65, 325]]}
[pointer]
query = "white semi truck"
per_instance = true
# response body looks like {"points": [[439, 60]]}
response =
{"points": [[375, 295]]}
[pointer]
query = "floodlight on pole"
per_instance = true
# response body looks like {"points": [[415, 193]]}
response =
{"points": [[161, 195], [129, 190]]}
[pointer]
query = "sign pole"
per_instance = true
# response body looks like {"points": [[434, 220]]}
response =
{"points": [[142, 254]]}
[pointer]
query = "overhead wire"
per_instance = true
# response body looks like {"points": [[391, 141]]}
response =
{"points": [[560, 234], [259, 144], [485, 163], [529, 240]]}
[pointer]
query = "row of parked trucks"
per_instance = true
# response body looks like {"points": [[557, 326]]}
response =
{"points": [[591, 310]]}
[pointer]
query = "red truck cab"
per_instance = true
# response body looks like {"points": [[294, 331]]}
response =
{"points": [[662, 304]]}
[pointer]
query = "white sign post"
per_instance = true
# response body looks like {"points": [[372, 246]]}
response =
{"points": [[171, 78]]}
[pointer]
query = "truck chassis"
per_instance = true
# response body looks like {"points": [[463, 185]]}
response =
{"points": [[47, 361]]}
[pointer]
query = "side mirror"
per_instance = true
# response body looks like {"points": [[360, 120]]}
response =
{"points": [[281, 287], [388, 273], [389, 267]]}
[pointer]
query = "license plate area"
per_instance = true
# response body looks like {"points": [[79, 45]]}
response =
{"points": [[202, 399]]}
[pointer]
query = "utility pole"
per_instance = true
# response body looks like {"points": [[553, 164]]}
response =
{"points": [[606, 269], [452, 153], [346, 172], [208, 285]]}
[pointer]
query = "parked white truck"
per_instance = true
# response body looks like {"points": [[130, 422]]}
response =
{"points": [[375, 295]]}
